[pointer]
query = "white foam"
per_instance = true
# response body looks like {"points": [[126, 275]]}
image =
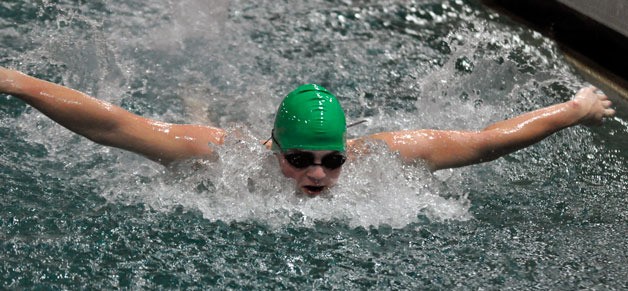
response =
{"points": [[245, 184]]}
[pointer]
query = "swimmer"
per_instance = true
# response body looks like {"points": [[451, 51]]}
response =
{"points": [[309, 133]]}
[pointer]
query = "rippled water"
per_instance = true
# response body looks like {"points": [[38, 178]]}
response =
{"points": [[75, 214]]}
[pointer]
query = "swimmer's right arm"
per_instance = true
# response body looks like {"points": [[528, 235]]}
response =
{"points": [[111, 125]]}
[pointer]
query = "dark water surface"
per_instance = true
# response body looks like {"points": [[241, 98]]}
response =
{"points": [[77, 215]]}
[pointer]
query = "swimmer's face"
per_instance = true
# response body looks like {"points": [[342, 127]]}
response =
{"points": [[314, 172]]}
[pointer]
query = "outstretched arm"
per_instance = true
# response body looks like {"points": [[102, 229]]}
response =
{"points": [[449, 149], [111, 125]]}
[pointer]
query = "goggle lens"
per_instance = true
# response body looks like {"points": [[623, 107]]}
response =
{"points": [[302, 160]]}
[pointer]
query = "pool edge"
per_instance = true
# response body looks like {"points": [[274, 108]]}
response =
{"points": [[592, 48]]}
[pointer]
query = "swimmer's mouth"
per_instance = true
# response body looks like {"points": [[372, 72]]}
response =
{"points": [[314, 190]]}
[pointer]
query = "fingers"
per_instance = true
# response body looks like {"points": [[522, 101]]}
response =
{"points": [[606, 104], [609, 112]]}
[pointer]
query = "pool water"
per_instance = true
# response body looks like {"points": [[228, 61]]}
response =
{"points": [[79, 215]]}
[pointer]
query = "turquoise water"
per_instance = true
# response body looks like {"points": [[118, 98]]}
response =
{"points": [[78, 215]]}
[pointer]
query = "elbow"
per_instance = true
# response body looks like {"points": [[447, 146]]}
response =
{"points": [[106, 133]]}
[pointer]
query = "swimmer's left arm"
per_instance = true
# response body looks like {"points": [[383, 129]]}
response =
{"points": [[442, 149]]}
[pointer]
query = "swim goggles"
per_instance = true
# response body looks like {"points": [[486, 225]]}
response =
{"points": [[302, 160]]}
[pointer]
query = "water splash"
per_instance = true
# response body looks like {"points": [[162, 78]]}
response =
{"points": [[245, 184], [423, 65], [77, 214]]}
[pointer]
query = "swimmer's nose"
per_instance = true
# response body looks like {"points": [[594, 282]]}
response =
{"points": [[316, 172]]}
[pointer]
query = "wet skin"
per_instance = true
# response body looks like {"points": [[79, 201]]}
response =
{"points": [[312, 180]]}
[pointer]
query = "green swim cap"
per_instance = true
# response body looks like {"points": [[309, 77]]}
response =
{"points": [[310, 118]]}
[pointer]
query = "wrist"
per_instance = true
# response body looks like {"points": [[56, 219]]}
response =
{"points": [[579, 111]]}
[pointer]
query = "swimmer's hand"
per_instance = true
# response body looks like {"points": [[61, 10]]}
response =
{"points": [[593, 105]]}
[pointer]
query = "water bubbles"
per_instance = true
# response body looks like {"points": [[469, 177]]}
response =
{"points": [[444, 47], [464, 65], [416, 20]]}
